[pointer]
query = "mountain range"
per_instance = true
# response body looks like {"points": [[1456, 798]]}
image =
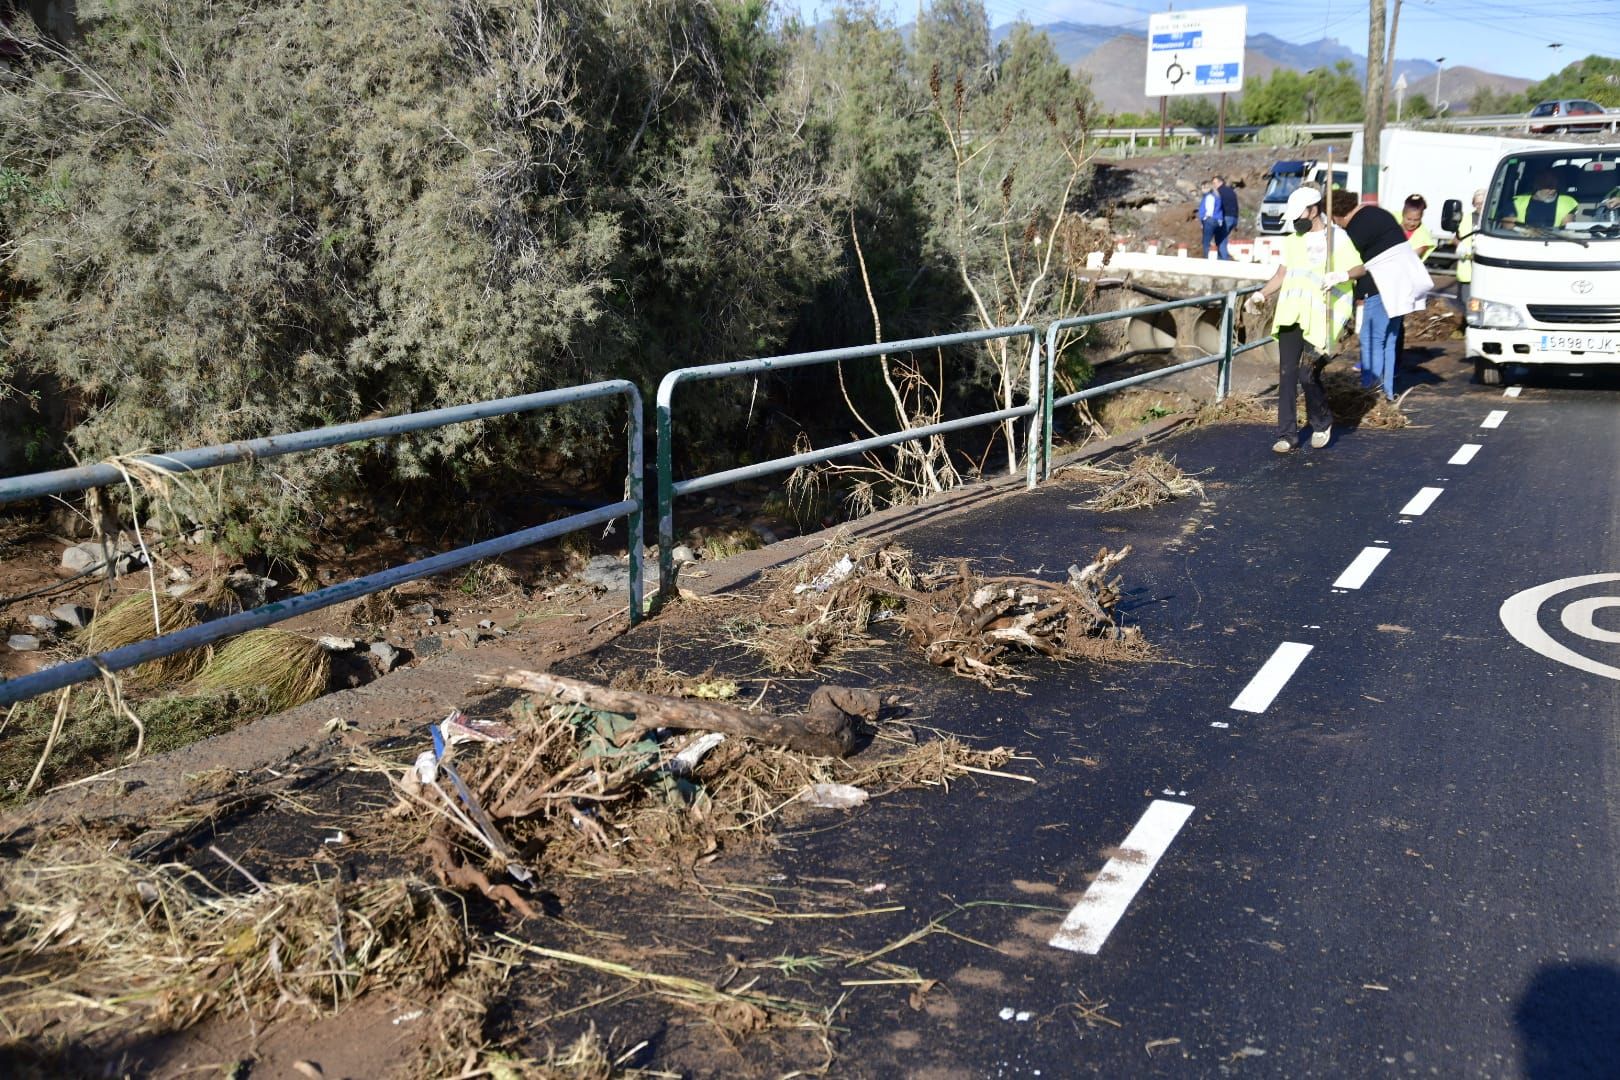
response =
{"points": [[1116, 62]]}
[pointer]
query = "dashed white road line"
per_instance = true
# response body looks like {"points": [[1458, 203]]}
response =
{"points": [[1465, 453], [1512, 391], [1421, 501], [1271, 678], [1494, 418], [1361, 567], [1104, 903]]}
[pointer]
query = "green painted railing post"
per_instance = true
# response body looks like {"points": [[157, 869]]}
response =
{"points": [[634, 484], [1223, 378], [666, 490]]}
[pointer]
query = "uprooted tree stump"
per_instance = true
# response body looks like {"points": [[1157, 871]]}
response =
{"points": [[826, 728]]}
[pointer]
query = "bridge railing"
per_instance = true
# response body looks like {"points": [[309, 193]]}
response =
{"points": [[669, 488], [1039, 406], [209, 457], [1223, 382]]}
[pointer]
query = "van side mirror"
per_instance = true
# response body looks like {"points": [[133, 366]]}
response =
{"points": [[1451, 215]]}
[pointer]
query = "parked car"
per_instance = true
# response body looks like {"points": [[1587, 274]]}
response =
{"points": [[1568, 114]]}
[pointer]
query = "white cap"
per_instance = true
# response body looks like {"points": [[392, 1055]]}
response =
{"points": [[1301, 200]]}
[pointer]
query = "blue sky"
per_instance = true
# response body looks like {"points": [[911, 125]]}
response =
{"points": [[1511, 37]]}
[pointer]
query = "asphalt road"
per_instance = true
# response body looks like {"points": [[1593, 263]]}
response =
{"points": [[1400, 857]]}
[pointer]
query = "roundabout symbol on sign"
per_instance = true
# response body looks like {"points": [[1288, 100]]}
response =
{"points": [[1521, 616]]}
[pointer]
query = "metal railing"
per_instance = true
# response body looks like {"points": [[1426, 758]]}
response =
{"points": [[669, 487], [1040, 407], [1223, 381], [209, 457]]}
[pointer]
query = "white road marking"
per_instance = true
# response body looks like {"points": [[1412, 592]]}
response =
{"points": [[1520, 614], [1271, 678], [1421, 501], [1464, 454], [1104, 903], [1361, 567], [1512, 391], [1495, 418]]}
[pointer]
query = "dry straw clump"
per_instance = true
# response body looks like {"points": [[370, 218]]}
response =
{"points": [[137, 618], [1148, 480], [111, 942], [286, 668]]}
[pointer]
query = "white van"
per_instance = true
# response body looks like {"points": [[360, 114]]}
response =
{"points": [[1546, 287]]}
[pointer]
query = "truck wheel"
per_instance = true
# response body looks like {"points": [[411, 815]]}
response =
{"points": [[1487, 373]]}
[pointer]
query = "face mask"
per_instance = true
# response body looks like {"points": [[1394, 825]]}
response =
{"points": [[1546, 196], [1302, 225]]}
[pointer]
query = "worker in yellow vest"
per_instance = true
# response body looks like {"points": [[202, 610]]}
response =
{"points": [[1314, 307], [1545, 207]]}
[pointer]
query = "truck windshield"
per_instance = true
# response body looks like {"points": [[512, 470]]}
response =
{"points": [[1278, 188], [1565, 195]]}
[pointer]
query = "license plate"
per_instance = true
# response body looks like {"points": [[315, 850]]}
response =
{"points": [[1590, 343]]}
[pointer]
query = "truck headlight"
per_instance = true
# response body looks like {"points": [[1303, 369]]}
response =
{"points": [[1493, 315]]}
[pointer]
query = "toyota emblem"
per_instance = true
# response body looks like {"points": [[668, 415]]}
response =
{"points": [[1580, 285]]}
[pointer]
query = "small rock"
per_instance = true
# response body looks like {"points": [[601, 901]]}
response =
{"points": [[178, 590], [387, 656], [765, 533], [81, 557], [336, 644], [23, 643], [683, 555], [75, 615], [427, 646], [129, 561], [179, 573], [486, 624], [42, 622], [424, 608]]}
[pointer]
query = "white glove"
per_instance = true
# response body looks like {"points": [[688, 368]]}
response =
{"points": [[1255, 303], [1335, 278]]}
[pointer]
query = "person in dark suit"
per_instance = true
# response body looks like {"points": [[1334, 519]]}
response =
{"points": [[1229, 216]]}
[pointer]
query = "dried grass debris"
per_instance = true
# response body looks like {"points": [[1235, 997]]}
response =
{"points": [[137, 618], [1365, 407], [287, 668], [1147, 480], [961, 620], [112, 942]]}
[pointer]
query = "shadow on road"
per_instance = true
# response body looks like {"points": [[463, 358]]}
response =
{"points": [[1569, 1022]]}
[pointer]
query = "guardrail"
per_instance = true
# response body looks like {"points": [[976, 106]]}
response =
{"points": [[669, 487], [1223, 381], [209, 457], [1039, 406]]}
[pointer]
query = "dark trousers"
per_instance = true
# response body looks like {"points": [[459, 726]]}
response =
{"points": [[1292, 352]]}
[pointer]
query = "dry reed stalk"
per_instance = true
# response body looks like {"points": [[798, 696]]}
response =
{"points": [[287, 668]]}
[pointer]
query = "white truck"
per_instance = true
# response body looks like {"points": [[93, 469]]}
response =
{"points": [[1546, 282], [1441, 166]]}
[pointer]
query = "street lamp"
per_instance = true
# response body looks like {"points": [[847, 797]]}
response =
{"points": [[1439, 102]]}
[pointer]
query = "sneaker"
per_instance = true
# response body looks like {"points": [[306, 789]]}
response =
{"points": [[1320, 439], [1282, 446]]}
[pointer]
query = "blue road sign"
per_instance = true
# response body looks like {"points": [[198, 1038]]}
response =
{"points": [[1181, 39]]}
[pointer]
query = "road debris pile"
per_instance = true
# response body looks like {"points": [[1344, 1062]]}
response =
{"points": [[1148, 480], [587, 779], [1353, 403], [89, 939], [971, 624]]}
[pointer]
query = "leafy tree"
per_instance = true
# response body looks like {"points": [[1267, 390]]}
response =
{"points": [[954, 37], [274, 214], [1597, 78]]}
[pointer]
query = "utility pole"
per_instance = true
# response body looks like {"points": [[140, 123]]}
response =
{"points": [[1373, 128]]}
